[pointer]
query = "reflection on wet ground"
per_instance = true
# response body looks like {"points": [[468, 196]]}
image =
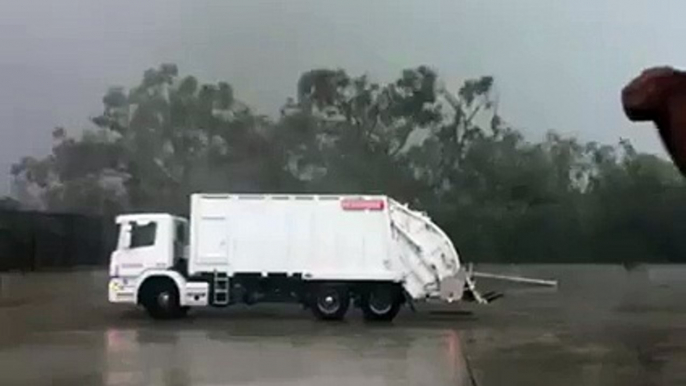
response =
{"points": [[603, 326], [338, 356]]}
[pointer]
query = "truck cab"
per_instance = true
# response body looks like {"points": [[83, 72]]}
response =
{"points": [[149, 264], [149, 242]]}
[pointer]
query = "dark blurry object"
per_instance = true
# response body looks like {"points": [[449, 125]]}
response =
{"points": [[659, 95], [31, 241], [8, 203]]}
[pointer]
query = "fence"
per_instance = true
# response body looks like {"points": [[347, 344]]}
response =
{"points": [[32, 241]]}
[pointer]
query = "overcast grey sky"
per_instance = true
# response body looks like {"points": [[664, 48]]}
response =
{"points": [[558, 64]]}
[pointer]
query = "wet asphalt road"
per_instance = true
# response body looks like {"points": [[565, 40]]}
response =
{"points": [[603, 326]]}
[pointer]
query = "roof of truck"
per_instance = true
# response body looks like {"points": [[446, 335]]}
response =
{"points": [[284, 196], [142, 217]]}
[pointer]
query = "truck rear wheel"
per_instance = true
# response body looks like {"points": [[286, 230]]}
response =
{"points": [[381, 303], [330, 302], [160, 297]]}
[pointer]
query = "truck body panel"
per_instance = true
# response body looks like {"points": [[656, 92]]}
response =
{"points": [[313, 236], [309, 235]]}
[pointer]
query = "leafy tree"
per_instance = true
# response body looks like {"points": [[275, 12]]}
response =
{"points": [[349, 134]]}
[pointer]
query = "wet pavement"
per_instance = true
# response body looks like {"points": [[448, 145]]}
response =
{"points": [[602, 326]]}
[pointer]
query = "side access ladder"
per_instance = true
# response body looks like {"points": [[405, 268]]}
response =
{"points": [[220, 289]]}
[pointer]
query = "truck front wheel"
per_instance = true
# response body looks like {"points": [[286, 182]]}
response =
{"points": [[160, 297], [330, 302], [381, 303]]}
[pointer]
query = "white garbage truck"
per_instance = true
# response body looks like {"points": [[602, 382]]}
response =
{"points": [[323, 251]]}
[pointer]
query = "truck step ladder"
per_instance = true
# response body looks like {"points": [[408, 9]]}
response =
{"points": [[220, 289]]}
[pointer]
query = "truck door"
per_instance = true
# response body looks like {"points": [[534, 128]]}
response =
{"points": [[136, 243]]}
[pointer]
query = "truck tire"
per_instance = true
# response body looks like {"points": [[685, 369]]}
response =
{"points": [[160, 297], [330, 301], [381, 303]]}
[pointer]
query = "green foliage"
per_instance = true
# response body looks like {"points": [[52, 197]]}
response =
{"points": [[500, 196]]}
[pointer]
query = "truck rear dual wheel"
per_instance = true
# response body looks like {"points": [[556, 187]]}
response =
{"points": [[381, 303], [330, 301], [160, 297]]}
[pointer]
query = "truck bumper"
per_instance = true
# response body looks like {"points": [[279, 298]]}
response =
{"points": [[122, 291]]}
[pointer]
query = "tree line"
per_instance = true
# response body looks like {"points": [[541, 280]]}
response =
{"points": [[500, 196]]}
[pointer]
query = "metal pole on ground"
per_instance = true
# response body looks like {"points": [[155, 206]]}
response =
{"points": [[516, 279]]}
